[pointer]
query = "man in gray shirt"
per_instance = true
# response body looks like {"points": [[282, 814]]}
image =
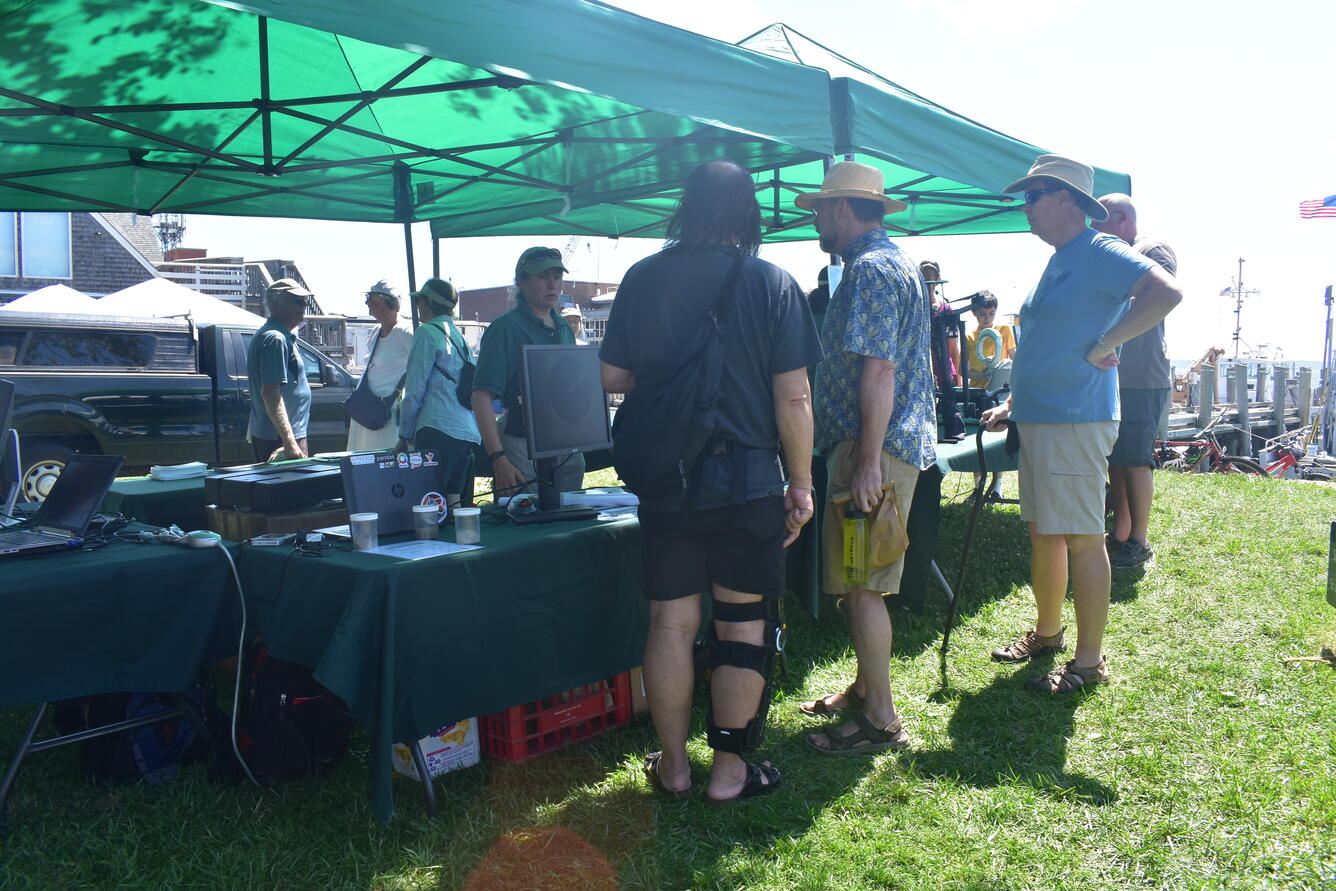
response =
{"points": [[1144, 380]]}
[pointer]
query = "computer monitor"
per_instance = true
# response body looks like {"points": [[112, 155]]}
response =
{"points": [[565, 410]]}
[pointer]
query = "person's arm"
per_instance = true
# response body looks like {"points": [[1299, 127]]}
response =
{"points": [[506, 477], [1154, 295], [616, 380], [793, 416], [278, 416], [876, 399], [418, 371]]}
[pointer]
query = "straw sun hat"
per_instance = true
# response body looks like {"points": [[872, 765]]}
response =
{"points": [[849, 179]]}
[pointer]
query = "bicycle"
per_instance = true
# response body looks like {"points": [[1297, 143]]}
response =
{"points": [[1290, 458], [1204, 454]]}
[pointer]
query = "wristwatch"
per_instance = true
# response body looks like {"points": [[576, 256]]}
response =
{"points": [[1104, 346], [500, 453]]}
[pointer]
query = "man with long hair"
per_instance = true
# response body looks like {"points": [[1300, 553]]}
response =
{"points": [[730, 540]]}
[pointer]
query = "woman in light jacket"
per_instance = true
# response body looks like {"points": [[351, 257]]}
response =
{"points": [[432, 420]]}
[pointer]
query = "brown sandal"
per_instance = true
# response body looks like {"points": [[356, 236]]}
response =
{"points": [[1029, 645], [1071, 677], [822, 707], [866, 739]]}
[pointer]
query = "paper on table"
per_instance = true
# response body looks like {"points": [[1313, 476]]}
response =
{"points": [[417, 550], [178, 471]]}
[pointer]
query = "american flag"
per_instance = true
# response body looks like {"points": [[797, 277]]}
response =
{"points": [[1318, 207]]}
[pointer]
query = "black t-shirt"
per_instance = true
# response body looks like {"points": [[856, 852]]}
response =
{"points": [[768, 330]]}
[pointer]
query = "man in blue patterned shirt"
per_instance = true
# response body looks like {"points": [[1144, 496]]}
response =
{"points": [[876, 423]]}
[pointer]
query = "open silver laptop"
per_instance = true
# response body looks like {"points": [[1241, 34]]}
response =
{"points": [[69, 507]]}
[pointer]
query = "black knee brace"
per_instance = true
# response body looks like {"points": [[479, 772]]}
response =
{"points": [[759, 659]]}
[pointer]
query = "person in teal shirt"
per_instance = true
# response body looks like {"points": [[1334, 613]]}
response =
{"points": [[280, 395], [534, 320], [431, 418]]}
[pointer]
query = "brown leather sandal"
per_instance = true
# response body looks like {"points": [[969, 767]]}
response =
{"points": [[1029, 645], [822, 708], [866, 739], [1071, 677]]}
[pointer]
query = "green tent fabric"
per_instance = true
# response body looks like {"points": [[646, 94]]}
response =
{"points": [[949, 169], [393, 111]]}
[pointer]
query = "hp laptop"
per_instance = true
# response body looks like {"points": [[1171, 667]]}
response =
{"points": [[68, 509], [389, 484]]}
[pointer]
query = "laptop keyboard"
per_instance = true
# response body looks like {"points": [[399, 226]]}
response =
{"points": [[23, 539]]}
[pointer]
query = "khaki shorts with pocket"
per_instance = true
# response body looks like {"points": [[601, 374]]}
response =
{"points": [[840, 474], [1062, 472]]}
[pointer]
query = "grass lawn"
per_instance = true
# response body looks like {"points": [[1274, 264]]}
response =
{"points": [[1206, 763]]}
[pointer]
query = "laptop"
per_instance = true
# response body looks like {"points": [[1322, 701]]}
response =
{"points": [[389, 484], [69, 507]]}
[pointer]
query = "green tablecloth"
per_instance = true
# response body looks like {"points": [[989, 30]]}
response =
{"points": [[414, 645], [963, 456], [159, 502], [127, 618]]}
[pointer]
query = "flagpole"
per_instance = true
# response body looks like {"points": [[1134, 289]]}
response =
{"points": [[1238, 310]]}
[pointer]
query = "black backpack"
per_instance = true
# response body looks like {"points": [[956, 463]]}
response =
{"points": [[292, 725], [665, 422]]}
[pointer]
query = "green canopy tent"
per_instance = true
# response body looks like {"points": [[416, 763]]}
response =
{"points": [[949, 169], [396, 111]]}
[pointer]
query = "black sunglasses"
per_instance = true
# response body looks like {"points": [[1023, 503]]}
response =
{"points": [[1034, 195]]}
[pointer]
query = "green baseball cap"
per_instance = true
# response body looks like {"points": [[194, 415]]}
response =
{"points": [[539, 259], [290, 286]]}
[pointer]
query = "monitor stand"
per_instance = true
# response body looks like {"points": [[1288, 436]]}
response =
{"points": [[550, 509]]}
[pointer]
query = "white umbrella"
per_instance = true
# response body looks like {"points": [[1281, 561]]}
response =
{"points": [[53, 299], [160, 297]]}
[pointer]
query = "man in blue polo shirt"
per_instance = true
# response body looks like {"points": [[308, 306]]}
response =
{"points": [[280, 395], [1064, 401]]}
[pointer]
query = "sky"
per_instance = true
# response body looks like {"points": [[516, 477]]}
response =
{"points": [[1220, 112]]}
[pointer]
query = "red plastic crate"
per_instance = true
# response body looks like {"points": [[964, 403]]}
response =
{"points": [[524, 731]]}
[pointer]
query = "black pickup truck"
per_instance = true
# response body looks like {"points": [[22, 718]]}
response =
{"points": [[158, 391]]}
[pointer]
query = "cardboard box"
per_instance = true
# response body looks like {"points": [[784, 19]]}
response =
{"points": [[238, 525], [639, 702], [450, 748]]}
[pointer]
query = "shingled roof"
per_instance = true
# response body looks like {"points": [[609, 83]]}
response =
{"points": [[138, 230]]}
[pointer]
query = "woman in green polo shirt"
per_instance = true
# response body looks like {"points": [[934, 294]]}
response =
{"points": [[534, 320]]}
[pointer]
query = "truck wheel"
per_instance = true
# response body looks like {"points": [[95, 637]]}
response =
{"points": [[43, 462]]}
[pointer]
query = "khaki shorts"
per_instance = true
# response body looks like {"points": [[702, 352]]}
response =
{"points": [[840, 474], [1062, 472]]}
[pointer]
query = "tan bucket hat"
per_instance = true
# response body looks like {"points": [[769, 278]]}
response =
{"points": [[1074, 175], [849, 179]]}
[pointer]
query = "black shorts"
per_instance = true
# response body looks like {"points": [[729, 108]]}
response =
{"points": [[1141, 413], [740, 546]]}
